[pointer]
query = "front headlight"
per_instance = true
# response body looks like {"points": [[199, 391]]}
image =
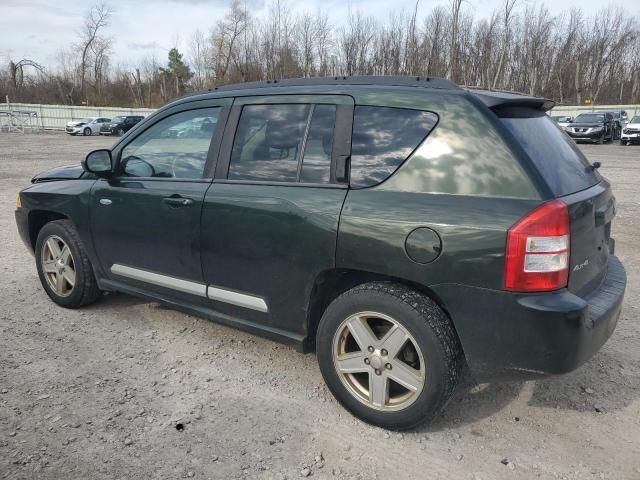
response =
{"points": [[596, 129], [18, 201]]}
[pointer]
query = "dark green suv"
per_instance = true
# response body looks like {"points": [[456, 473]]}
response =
{"points": [[400, 227]]}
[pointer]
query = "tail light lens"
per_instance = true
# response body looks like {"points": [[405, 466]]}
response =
{"points": [[537, 253]]}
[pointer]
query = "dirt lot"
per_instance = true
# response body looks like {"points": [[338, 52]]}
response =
{"points": [[97, 393]]}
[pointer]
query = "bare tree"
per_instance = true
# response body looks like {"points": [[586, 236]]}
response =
{"points": [[94, 22], [516, 47]]}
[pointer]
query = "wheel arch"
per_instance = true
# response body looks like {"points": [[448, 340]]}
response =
{"points": [[38, 219], [329, 284]]}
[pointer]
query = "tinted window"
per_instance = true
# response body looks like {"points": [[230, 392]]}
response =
{"points": [[556, 156], [383, 138], [175, 147], [268, 142], [316, 163]]}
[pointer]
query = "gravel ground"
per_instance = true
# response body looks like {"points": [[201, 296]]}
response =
{"points": [[131, 390]]}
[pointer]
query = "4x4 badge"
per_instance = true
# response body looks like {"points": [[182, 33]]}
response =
{"points": [[581, 266]]}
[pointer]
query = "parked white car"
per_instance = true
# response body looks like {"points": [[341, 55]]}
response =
{"points": [[631, 132], [562, 120], [86, 126]]}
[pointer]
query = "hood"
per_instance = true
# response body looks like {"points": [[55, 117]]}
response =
{"points": [[68, 172], [586, 125], [75, 124], [635, 126]]}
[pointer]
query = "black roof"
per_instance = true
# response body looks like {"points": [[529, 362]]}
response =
{"points": [[381, 80], [491, 98]]}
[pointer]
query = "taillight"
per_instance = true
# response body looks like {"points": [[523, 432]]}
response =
{"points": [[537, 254]]}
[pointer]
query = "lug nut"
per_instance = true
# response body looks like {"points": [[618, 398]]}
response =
{"points": [[388, 366], [370, 348], [366, 360], [378, 372], [384, 352]]}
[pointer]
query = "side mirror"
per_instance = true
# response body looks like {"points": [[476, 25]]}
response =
{"points": [[99, 162]]}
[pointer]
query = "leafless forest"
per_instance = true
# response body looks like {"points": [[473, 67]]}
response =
{"points": [[519, 47]]}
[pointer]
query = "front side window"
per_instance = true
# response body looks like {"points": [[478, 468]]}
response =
{"points": [[175, 147], [383, 137], [268, 142]]}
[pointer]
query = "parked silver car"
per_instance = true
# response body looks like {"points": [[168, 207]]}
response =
{"points": [[86, 126]]}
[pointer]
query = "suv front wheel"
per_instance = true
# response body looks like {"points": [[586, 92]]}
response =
{"points": [[64, 267], [389, 354]]}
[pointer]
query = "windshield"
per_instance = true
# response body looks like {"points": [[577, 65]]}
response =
{"points": [[117, 119], [557, 158], [635, 119], [85, 120], [590, 118]]}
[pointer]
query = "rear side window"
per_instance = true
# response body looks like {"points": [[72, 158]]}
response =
{"points": [[316, 162], [268, 142], [284, 143], [383, 137], [557, 157]]}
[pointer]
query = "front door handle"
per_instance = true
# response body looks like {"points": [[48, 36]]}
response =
{"points": [[178, 201]]}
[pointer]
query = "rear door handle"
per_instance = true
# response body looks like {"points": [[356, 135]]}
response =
{"points": [[178, 201]]}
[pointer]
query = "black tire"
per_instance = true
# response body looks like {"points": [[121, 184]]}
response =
{"points": [[85, 290], [427, 324], [120, 132], [86, 132]]}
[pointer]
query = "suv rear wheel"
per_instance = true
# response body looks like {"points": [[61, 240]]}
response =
{"points": [[389, 354], [63, 266]]}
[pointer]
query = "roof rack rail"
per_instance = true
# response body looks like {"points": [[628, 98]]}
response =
{"points": [[385, 80]]}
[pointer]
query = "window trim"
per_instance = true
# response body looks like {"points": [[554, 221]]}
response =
{"points": [[149, 122], [341, 150]]}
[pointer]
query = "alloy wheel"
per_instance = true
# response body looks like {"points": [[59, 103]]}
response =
{"points": [[58, 266], [378, 361]]}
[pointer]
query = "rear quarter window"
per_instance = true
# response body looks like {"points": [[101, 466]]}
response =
{"points": [[558, 159], [383, 137]]}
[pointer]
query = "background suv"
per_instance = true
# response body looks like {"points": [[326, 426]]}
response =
{"points": [[120, 125], [399, 227], [592, 127], [86, 126], [631, 132]]}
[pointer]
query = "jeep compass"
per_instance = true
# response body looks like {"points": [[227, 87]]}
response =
{"points": [[398, 227]]}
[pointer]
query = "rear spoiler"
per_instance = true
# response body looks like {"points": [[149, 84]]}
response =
{"points": [[496, 100]]}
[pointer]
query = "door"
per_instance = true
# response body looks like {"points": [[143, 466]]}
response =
{"points": [[146, 220], [270, 219]]}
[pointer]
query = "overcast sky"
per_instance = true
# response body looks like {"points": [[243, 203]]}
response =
{"points": [[37, 29]]}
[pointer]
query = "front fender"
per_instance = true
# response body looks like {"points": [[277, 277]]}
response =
{"points": [[65, 198]]}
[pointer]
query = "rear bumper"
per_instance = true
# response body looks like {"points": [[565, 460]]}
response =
{"points": [[516, 336]]}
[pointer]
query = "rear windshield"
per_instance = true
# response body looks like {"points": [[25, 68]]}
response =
{"points": [[556, 156]]}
